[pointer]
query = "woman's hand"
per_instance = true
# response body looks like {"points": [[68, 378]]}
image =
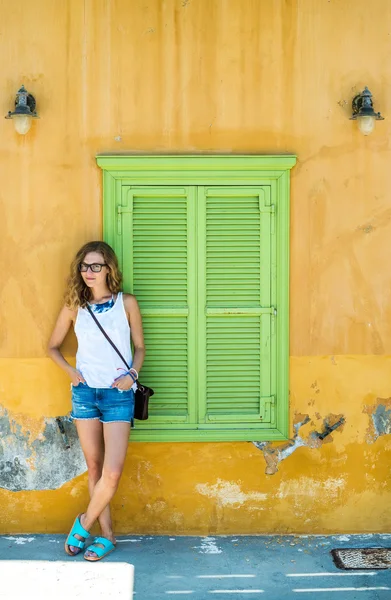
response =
{"points": [[76, 376], [123, 382]]}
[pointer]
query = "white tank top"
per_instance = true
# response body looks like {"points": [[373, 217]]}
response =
{"points": [[96, 359]]}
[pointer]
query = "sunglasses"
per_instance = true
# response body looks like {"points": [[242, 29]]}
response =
{"points": [[95, 267]]}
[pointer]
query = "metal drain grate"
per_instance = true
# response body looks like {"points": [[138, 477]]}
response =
{"points": [[362, 558]]}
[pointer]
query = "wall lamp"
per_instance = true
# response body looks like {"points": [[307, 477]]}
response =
{"points": [[363, 112], [24, 111]]}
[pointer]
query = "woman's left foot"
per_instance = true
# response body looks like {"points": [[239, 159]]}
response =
{"points": [[101, 547]]}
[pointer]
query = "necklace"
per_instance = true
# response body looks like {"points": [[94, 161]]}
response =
{"points": [[101, 303]]}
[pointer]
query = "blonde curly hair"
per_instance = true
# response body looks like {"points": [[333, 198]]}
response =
{"points": [[77, 294]]}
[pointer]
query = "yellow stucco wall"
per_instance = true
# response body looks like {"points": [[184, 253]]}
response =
{"points": [[164, 76]]}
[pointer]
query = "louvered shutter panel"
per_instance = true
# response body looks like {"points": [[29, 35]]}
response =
{"points": [[159, 266], [235, 314]]}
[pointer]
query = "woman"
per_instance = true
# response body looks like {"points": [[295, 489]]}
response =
{"points": [[102, 386]]}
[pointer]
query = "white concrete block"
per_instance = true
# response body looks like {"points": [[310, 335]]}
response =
{"points": [[63, 580]]}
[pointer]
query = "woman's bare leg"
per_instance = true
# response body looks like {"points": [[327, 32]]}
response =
{"points": [[116, 439], [90, 434]]}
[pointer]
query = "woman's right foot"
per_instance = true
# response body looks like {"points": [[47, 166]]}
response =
{"points": [[74, 550]]}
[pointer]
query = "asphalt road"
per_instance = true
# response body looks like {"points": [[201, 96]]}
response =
{"points": [[229, 567]]}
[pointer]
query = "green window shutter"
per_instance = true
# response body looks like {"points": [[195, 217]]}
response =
{"points": [[236, 252], [159, 268], [203, 242]]}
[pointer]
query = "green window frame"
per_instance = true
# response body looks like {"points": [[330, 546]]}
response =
{"points": [[203, 242]]}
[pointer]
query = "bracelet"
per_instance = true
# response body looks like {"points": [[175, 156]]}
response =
{"points": [[133, 374]]}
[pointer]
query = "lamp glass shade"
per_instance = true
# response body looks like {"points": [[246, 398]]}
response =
{"points": [[366, 124], [22, 123]]}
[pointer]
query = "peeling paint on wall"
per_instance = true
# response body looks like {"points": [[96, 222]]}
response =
{"points": [[274, 455], [229, 493], [380, 419], [36, 454], [311, 488]]}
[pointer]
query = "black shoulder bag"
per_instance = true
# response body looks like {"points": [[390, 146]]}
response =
{"points": [[143, 393]]}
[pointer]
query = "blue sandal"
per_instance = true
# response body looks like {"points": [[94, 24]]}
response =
{"points": [[71, 540], [100, 552]]}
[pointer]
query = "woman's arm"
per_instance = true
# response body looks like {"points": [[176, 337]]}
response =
{"points": [[61, 328], [125, 382], [136, 327]]}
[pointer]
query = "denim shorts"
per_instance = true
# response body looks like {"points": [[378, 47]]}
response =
{"points": [[109, 405]]}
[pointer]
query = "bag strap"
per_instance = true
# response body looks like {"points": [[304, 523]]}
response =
{"points": [[107, 337]]}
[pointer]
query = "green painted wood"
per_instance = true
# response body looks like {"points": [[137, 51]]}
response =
{"points": [[158, 263], [281, 297], [271, 174], [201, 306], [186, 434], [109, 212], [236, 253], [196, 170], [193, 163]]}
